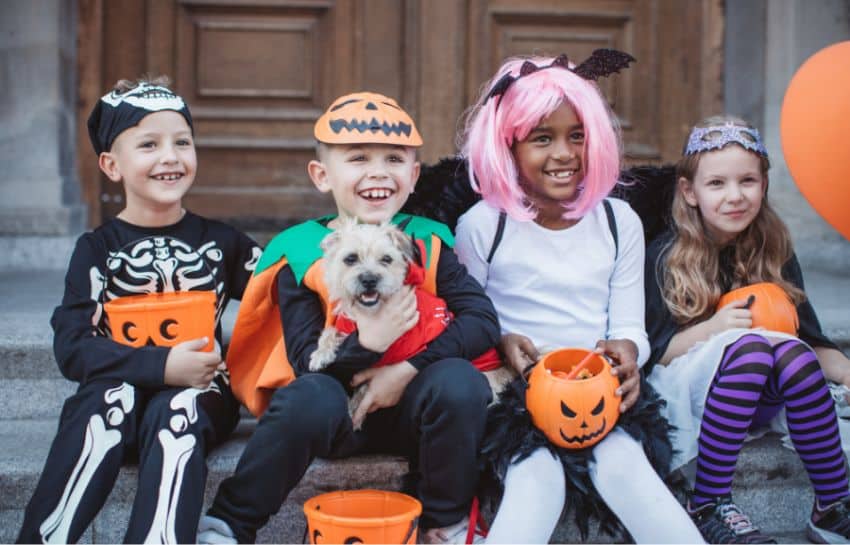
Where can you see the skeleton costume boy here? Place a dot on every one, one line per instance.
(123, 410)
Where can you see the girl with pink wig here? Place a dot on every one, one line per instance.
(563, 265)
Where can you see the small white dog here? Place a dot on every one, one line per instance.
(364, 265)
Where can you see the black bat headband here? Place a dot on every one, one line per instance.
(601, 63)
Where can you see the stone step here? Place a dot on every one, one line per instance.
(771, 485)
(31, 385)
(42, 252)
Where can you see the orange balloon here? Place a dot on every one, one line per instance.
(814, 126)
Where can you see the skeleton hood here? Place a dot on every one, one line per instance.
(116, 112)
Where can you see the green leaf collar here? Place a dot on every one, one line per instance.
(300, 243)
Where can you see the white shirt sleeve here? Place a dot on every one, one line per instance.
(474, 238)
(626, 303)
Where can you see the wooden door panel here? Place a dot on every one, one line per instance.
(253, 75)
(257, 74)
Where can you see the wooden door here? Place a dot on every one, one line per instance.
(257, 73)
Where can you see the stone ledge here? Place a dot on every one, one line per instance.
(33, 252)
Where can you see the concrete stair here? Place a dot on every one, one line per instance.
(771, 484)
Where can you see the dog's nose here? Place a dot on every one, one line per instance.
(368, 280)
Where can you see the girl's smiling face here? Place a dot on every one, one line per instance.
(550, 163)
(728, 188)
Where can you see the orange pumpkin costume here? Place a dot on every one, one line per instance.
(257, 358)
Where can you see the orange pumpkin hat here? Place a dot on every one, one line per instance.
(366, 118)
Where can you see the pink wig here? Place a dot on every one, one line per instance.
(491, 132)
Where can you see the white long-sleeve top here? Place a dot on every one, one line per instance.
(561, 288)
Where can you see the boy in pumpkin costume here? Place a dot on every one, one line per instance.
(430, 408)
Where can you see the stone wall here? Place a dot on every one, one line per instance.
(39, 191)
(795, 30)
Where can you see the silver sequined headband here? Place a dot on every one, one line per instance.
(718, 136)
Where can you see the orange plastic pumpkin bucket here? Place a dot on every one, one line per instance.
(573, 413)
(163, 319)
(362, 516)
(771, 307)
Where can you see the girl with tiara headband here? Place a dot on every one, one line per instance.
(564, 267)
(720, 377)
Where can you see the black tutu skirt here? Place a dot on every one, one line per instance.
(511, 436)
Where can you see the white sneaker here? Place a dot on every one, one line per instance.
(214, 531)
(456, 533)
(841, 395)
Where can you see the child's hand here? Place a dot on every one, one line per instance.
(187, 365)
(518, 350)
(377, 331)
(623, 352)
(734, 315)
(386, 385)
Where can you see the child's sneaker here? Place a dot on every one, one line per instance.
(456, 533)
(832, 525)
(724, 522)
(841, 395)
(214, 531)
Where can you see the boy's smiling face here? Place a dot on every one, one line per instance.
(369, 182)
(156, 162)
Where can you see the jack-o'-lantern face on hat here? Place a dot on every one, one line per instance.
(366, 118)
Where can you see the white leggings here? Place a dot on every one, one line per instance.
(535, 490)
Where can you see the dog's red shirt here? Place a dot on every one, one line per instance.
(434, 316)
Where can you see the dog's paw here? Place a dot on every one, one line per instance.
(325, 351)
(498, 379)
(320, 359)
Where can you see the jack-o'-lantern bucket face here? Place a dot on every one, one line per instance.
(771, 307)
(573, 413)
(163, 319)
(366, 118)
(362, 516)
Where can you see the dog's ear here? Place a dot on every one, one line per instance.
(330, 241)
(404, 243)
(415, 253)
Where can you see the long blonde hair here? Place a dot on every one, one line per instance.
(692, 283)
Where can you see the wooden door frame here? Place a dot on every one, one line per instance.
(89, 90)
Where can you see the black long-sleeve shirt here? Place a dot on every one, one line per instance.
(120, 259)
(473, 331)
(661, 327)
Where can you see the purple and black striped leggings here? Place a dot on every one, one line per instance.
(754, 381)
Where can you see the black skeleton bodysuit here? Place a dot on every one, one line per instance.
(123, 411)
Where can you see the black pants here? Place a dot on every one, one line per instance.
(107, 423)
(438, 425)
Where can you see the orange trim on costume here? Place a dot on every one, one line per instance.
(256, 358)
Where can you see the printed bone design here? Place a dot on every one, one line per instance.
(98, 442)
(176, 452)
(161, 265)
